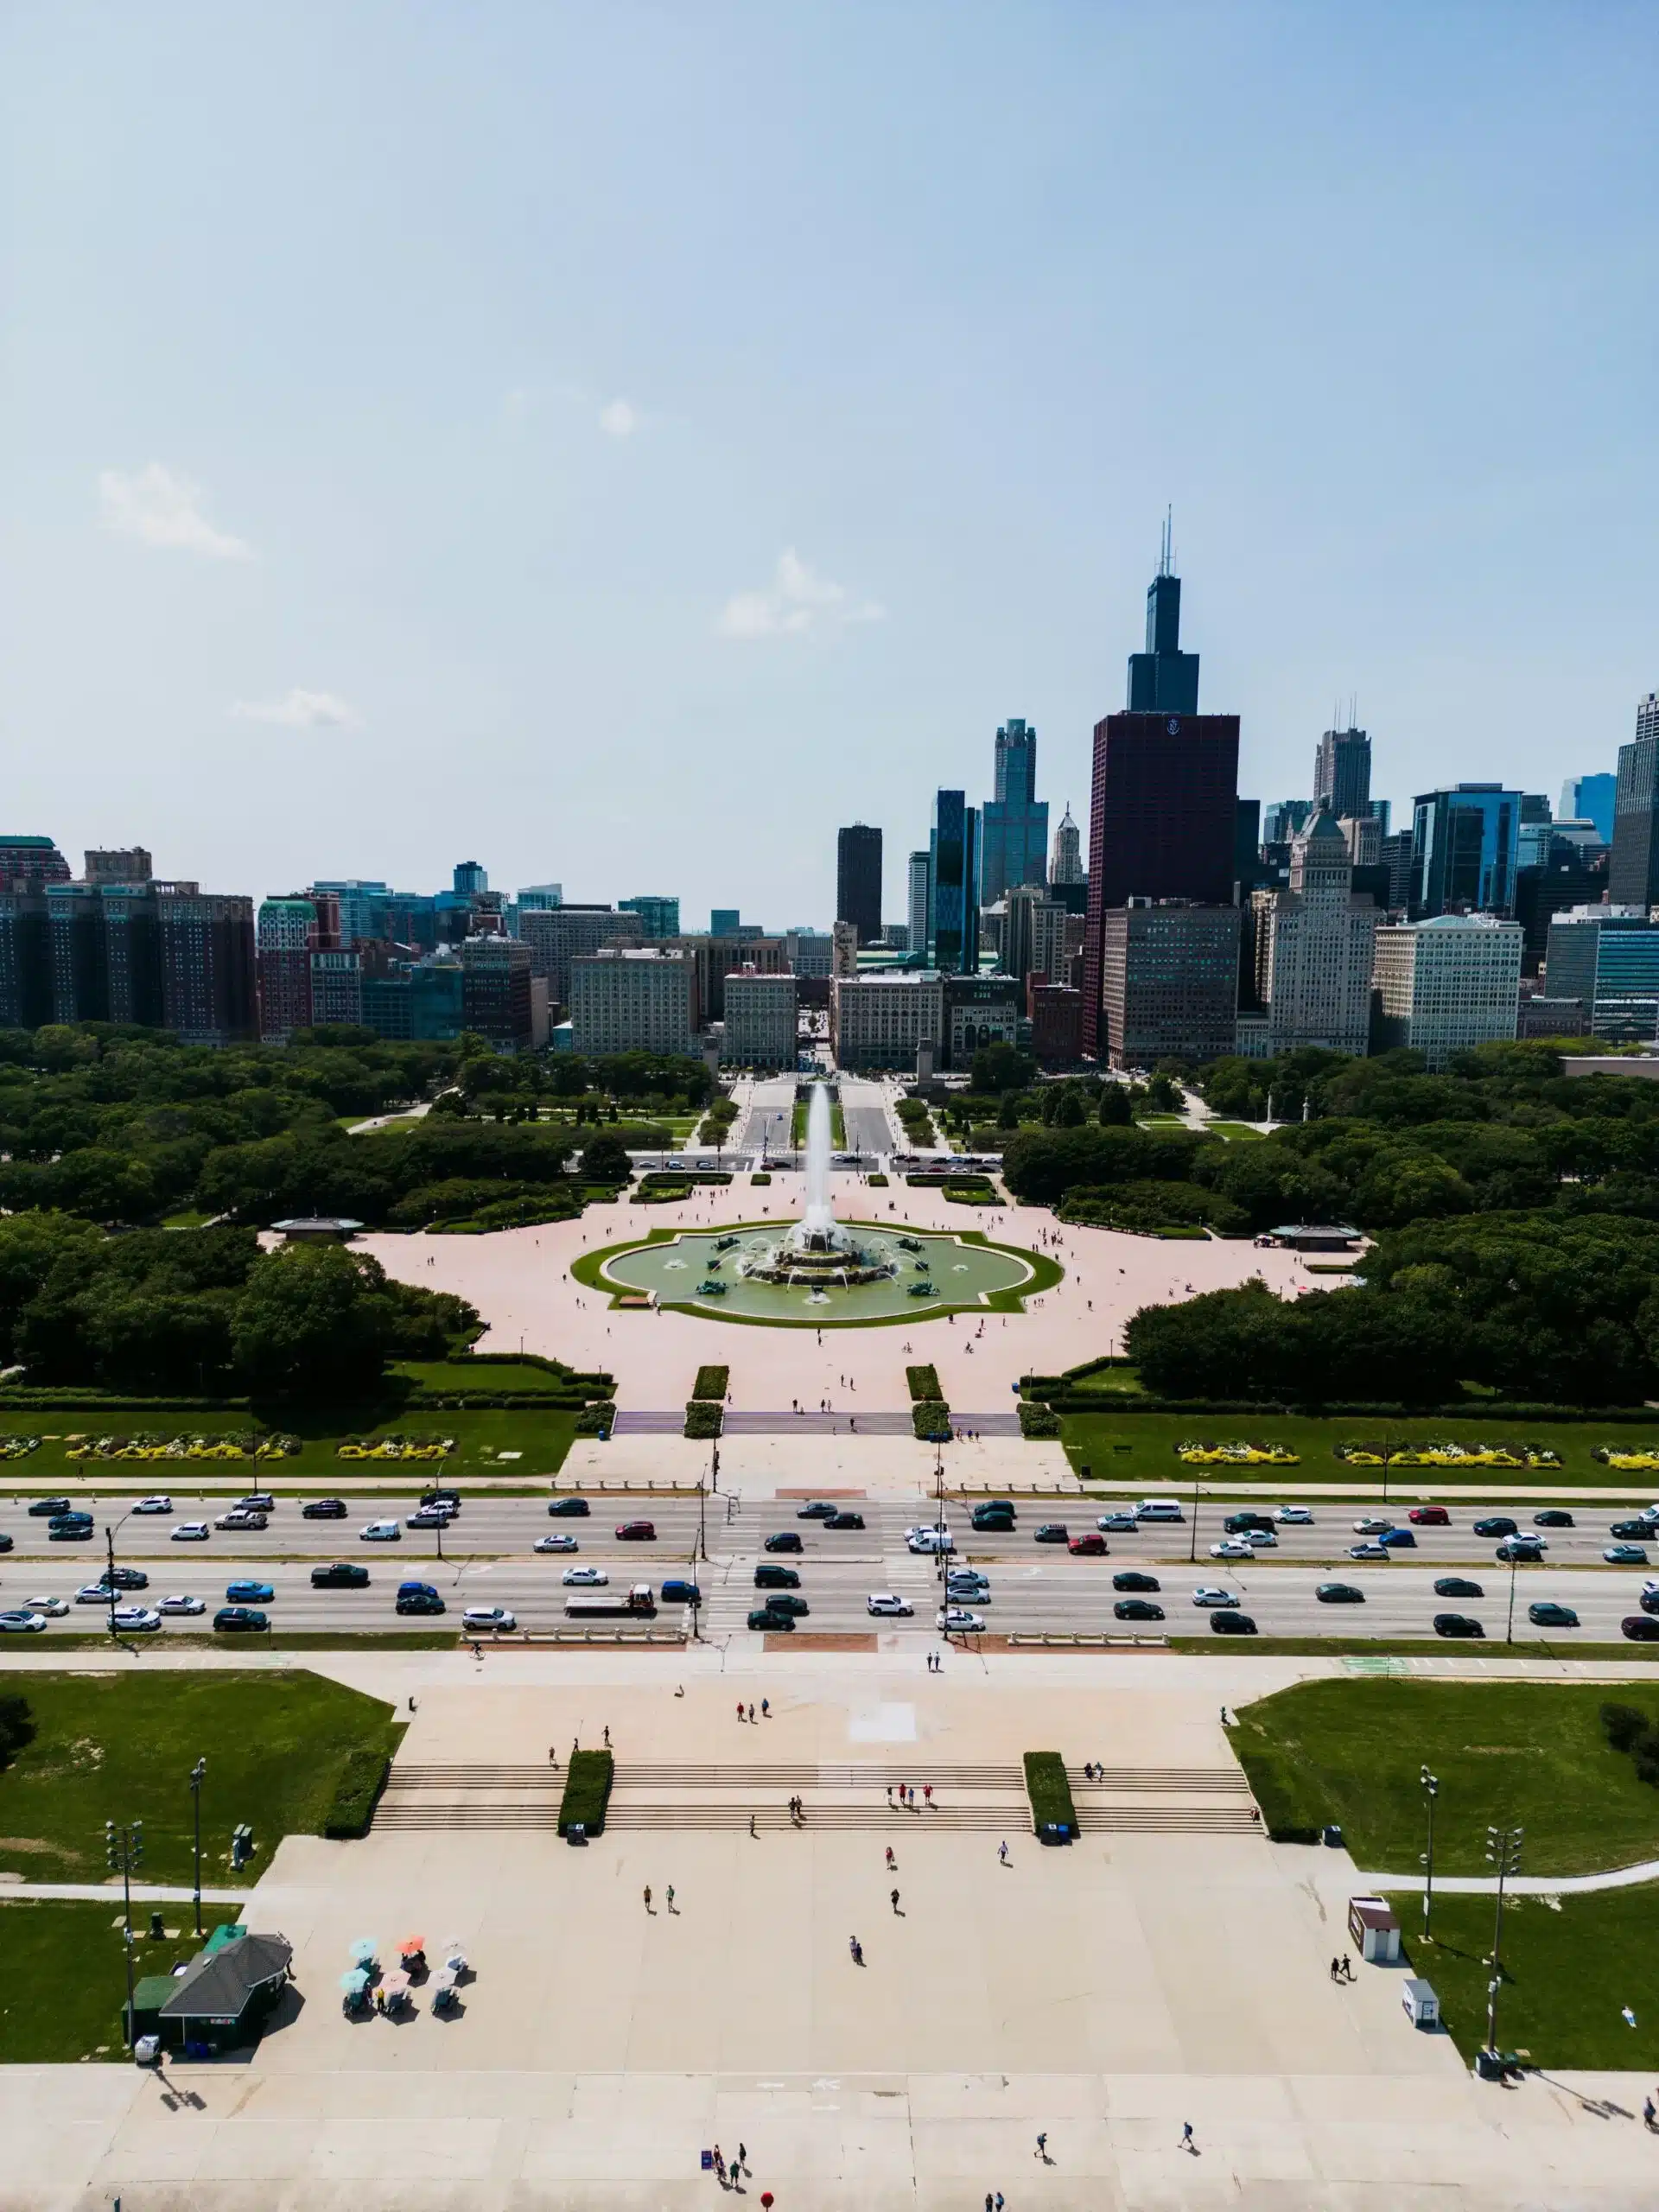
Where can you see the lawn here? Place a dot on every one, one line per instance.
(76, 1953)
(1505, 1752)
(1235, 1132)
(1567, 1971)
(121, 1747)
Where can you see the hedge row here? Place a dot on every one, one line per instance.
(931, 1418)
(598, 1420)
(1037, 1423)
(1483, 1412)
(586, 1791)
(357, 1793)
(1049, 1791)
(711, 1382)
(703, 1419)
(924, 1381)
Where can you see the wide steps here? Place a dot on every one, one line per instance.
(430, 1815)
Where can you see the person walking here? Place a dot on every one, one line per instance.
(671, 1896)
(552, 1759)
(647, 1897)
(857, 1950)
(1333, 1970)
(719, 2167)
(1188, 2144)
(927, 1794)
(891, 1861)
(741, 2162)
(895, 1901)
(765, 1708)
(607, 1738)
(752, 1829)
(1347, 1967)
(999, 2201)
(1002, 1852)
(1042, 2146)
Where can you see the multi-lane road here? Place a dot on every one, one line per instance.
(486, 1558)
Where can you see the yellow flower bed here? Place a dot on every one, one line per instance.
(1450, 1455)
(1236, 1454)
(18, 1447)
(392, 1447)
(1642, 1461)
(147, 1448)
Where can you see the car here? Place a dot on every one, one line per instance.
(677, 1591)
(555, 1543)
(1115, 1524)
(54, 1608)
(341, 1575)
(1340, 1594)
(957, 1617)
(1457, 1624)
(490, 1617)
(1521, 1548)
(419, 1601)
(770, 1620)
(1132, 1579)
(93, 1593)
(1547, 1614)
(324, 1509)
(1639, 1628)
(1458, 1585)
(931, 1539)
(1641, 1531)
(1553, 1516)
(1208, 1594)
(136, 1620)
(257, 1501)
(845, 1521)
(785, 1540)
(1399, 1540)
(449, 1497)
(429, 1516)
(48, 1509)
(1232, 1625)
(190, 1607)
(1430, 1516)
(885, 1604)
(1625, 1555)
(1496, 1524)
(1087, 1547)
(568, 1509)
(380, 1532)
(70, 1528)
(18, 1620)
(238, 1620)
(242, 1516)
(243, 1592)
(817, 1511)
(965, 1586)
(1232, 1548)
(1137, 1609)
(1293, 1517)
(1159, 1509)
(991, 1524)
(416, 1590)
(5, 1542)
(1371, 1524)
(644, 1532)
(190, 1532)
(785, 1601)
(1648, 1600)
(157, 1502)
(1262, 1540)
(124, 1578)
(1052, 1532)
(1369, 1549)
(584, 1577)
(768, 1575)
(1240, 1524)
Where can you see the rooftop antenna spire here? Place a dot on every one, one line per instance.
(1166, 556)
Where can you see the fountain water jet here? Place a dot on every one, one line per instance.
(817, 1231)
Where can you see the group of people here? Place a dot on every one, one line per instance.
(1342, 1969)
(907, 1797)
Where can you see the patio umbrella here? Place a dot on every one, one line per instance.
(408, 1943)
(446, 1979)
(353, 1982)
(363, 1950)
(394, 1986)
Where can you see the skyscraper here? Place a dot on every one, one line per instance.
(659, 916)
(953, 878)
(919, 888)
(1315, 945)
(1633, 877)
(1591, 798)
(1163, 804)
(1068, 851)
(470, 878)
(1342, 772)
(1465, 844)
(858, 880)
(1014, 825)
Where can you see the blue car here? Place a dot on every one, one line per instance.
(248, 1593)
(1399, 1539)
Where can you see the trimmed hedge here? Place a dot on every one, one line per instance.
(1038, 1422)
(597, 1421)
(703, 1419)
(924, 1381)
(1049, 1791)
(931, 1418)
(586, 1791)
(711, 1381)
(761, 1176)
(357, 1793)
(877, 1182)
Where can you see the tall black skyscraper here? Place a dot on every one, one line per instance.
(1633, 871)
(1014, 825)
(858, 880)
(1342, 773)
(1164, 680)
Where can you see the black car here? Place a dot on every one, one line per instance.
(768, 1577)
(1649, 1601)
(124, 1578)
(845, 1521)
(1232, 1625)
(784, 1602)
(1239, 1524)
(764, 1620)
(787, 1541)
(819, 1511)
(5, 1542)
(324, 1509)
(990, 1523)
(1497, 1524)
(1132, 1579)
(1137, 1609)
(449, 1497)
(1457, 1624)
(48, 1509)
(234, 1620)
(344, 1574)
(567, 1508)
(1458, 1585)
(1639, 1628)
(1340, 1593)
(70, 1528)
(1054, 1532)
(421, 1601)
(1522, 1547)
(1547, 1614)
(1633, 1532)
(1553, 1516)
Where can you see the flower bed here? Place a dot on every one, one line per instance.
(147, 1445)
(396, 1447)
(1442, 1453)
(1237, 1453)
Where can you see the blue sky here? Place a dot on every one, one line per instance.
(618, 444)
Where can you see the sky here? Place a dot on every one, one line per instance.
(618, 444)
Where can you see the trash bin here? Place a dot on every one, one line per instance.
(1333, 1836)
(147, 2051)
(157, 1927)
(1054, 1832)
(1488, 2066)
(577, 1832)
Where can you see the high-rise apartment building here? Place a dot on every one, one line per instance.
(502, 999)
(25, 954)
(920, 900)
(1607, 958)
(153, 954)
(725, 921)
(1013, 825)
(1315, 947)
(1633, 877)
(953, 879)
(1464, 851)
(1447, 983)
(31, 860)
(858, 880)
(1342, 772)
(810, 953)
(470, 880)
(658, 917)
(1283, 818)
(128, 864)
(1163, 802)
(628, 999)
(1169, 983)
(285, 934)
(336, 988)
(1031, 934)
(566, 933)
(1067, 866)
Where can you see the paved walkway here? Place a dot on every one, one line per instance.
(1530, 1885)
(143, 1892)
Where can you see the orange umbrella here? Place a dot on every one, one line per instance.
(408, 1943)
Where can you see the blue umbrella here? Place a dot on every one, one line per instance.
(363, 1950)
(353, 1983)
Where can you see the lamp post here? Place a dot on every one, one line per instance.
(198, 1775)
(124, 1850)
(109, 1545)
(1431, 1783)
(1192, 1552)
(1515, 1562)
(1504, 1852)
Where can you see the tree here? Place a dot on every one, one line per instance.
(1000, 1067)
(1117, 1111)
(605, 1159)
(310, 1323)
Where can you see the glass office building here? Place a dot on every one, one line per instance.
(1464, 851)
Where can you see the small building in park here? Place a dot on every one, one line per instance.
(221, 2000)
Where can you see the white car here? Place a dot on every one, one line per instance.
(158, 1502)
(884, 1602)
(556, 1544)
(1232, 1548)
(957, 1616)
(54, 1608)
(93, 1593)
(967, 1585)
(21, 1623)
(582, 1578)
(1207, 1594)
(380, 1532)
(930, 1539)
(1372, 1524)
(183, 1604)
(139, 1619)
(190, 1532)
(1293, 1517)
(487, 1616)
(242, 1516)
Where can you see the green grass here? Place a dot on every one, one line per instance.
(1384, 1648)
(1566, 1973)
(187, 1220)
(1235, 1132)
(712, 1381)
(1505, 1752)
(73, 1951)
(586, 1791)
(121, 1748)
(1049, 1790)
(837, 1128)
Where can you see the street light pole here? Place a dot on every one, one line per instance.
(1508, 1634)
(1194, 1552)
(198, 1775)
(124, 1849)
(1430, 1790)
(1503, 1851)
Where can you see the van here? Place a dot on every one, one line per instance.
(1159, 1509)
(769, 1576)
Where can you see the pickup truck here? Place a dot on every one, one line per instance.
(606, 1604)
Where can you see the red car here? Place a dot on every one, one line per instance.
(1430, 1516)
(1093, 1546)
(637, 1532)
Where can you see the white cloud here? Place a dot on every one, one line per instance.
(155, 506)
(796, 602)
(298, 709)
(619, 418)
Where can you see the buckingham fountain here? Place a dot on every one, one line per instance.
(817, 1251)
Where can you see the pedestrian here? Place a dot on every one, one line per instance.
(607, 1736)
(895, 1901)
(765, 1708)
(891, 1861)
(1188, 2144)
(1333, 1970)
(719, 2167)
(1648, 2114)
(1042, 2147)
(647, 1897)
(552, 1759)
(671, 1896)
(751, 1826)
(988, 2200)
(1002, 1852)
(1347, 1967)
(927, 1794)
(576, 1745)
(751, 1716)
(889, 1796)
(999, 2201)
